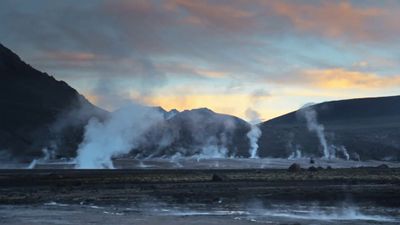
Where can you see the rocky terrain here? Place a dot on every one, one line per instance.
(301, 194)
(379, 185)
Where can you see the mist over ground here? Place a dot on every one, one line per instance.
(197, 112)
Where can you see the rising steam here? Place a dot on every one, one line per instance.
(255, 133)
(115, 136)
(313, 126)
(47, 155)
(330, 151)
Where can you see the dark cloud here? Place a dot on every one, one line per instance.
(145, 40)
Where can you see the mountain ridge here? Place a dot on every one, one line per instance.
(38, 111)
(366, 127)
(32, 102)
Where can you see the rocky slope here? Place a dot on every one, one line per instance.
(37, 111)
(366, 127)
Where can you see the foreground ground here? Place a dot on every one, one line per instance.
(156, 196)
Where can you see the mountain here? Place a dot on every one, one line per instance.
(37, 111)
(369, 128)
(198, 132)
(167, 114)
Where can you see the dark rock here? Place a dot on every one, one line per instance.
(312, 161)
(218, 178)
(294, 168)
(328, 167)
(383, 166)
(312, 169)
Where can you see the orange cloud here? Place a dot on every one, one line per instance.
(72, 56)
(332, 19)
(233, 104)
(328, 18)
(211, 73)
(205, 13)
(339, 78)
(219, 103)
(91, 98)
(188, 69)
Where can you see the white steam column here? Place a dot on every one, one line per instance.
(253, 135)
(313, 126)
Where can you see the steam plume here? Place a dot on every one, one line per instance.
(47, 155)
(313, 126)
(254, 133)
(116, 136)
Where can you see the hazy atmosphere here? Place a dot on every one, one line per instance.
(233, 56)
(200, 112)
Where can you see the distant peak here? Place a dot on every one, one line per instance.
(159, 109)
(202, 110)
(8, 58)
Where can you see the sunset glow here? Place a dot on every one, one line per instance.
(229, 56)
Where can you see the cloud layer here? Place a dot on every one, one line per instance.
(270, 53)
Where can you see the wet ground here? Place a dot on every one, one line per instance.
(193, 163)
(151, 212)
(161, 191)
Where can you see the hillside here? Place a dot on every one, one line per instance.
(38, 111)
(368, 127)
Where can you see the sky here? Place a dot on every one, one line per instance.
(240, 57)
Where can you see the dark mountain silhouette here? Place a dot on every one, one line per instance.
(37, 111)
(368, 127)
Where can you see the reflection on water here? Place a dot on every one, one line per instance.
(240, 213)
(305, 212)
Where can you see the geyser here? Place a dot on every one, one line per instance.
(253, 135)
(313, 126)
(330, 151)
(117, 135)
(47, 155)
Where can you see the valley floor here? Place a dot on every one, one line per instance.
(365, 195)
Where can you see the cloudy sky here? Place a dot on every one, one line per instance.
(232, 56)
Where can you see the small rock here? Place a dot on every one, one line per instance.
(383, 166)
(312, 169)
(312, 160)
(294, 168)
(218, 177)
